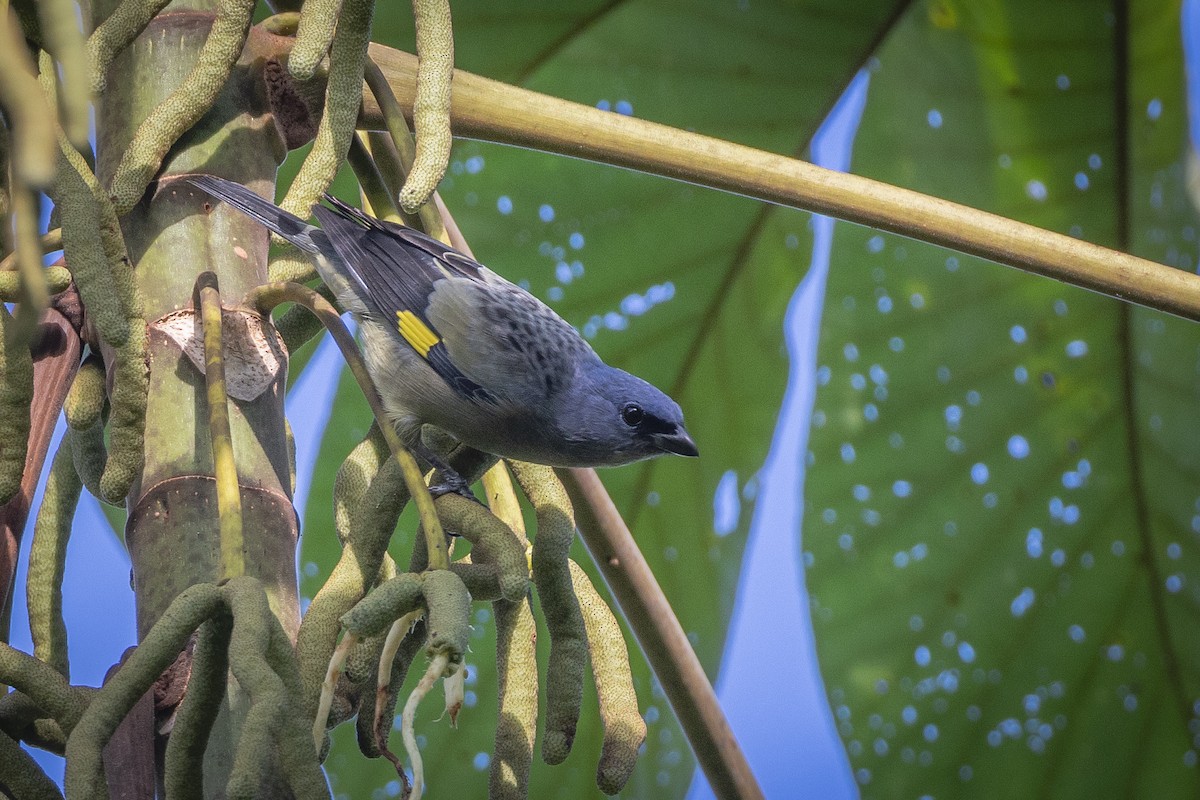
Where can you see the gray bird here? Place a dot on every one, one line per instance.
(452, 344)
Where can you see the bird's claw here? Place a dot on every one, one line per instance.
(451, 483)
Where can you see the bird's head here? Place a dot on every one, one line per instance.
(621, 418)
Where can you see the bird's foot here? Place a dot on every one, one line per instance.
(447, 481)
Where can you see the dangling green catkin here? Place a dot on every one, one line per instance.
(57, 279)
(184, 761)
(431, 111)
(16, 398)
(560, 607)
(449, 617)
(83, 250)
(318, 21)
(516, 727)
(127, 420)
(343, 97)
(296, 326)
(92, 245)
(34, 295)
(190, 101)
(624, 728)
(372, 521)
(89, 455)
(85, 747)
(94, 251)
(85, 398)
(47, 561)
(22, 776)
(353, 479)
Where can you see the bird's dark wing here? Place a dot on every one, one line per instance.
(444, 258)
(399, 268)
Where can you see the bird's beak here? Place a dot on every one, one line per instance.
(678, 443)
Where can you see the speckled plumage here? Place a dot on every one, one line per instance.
(452, 344)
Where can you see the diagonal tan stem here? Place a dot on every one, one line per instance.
(496, 112)
(662, 638)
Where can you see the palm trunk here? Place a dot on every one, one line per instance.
(172, 531)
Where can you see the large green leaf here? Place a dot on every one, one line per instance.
(717, 271)
(1001, 526)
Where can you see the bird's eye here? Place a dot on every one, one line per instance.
(632, 414)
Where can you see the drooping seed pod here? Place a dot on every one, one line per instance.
(16, 397)
(560, 607)
(85, 399)
(318, 21)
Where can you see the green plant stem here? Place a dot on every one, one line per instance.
(496, 112)
(397, 162)
(268, 296)
(229, 498)
(660, 635)
(28, 114)
(374, 189)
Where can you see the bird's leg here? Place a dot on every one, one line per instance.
(446, 480)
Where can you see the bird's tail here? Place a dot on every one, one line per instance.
(289, 226)
(307, 237)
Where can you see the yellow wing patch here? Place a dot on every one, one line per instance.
(416, 332)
